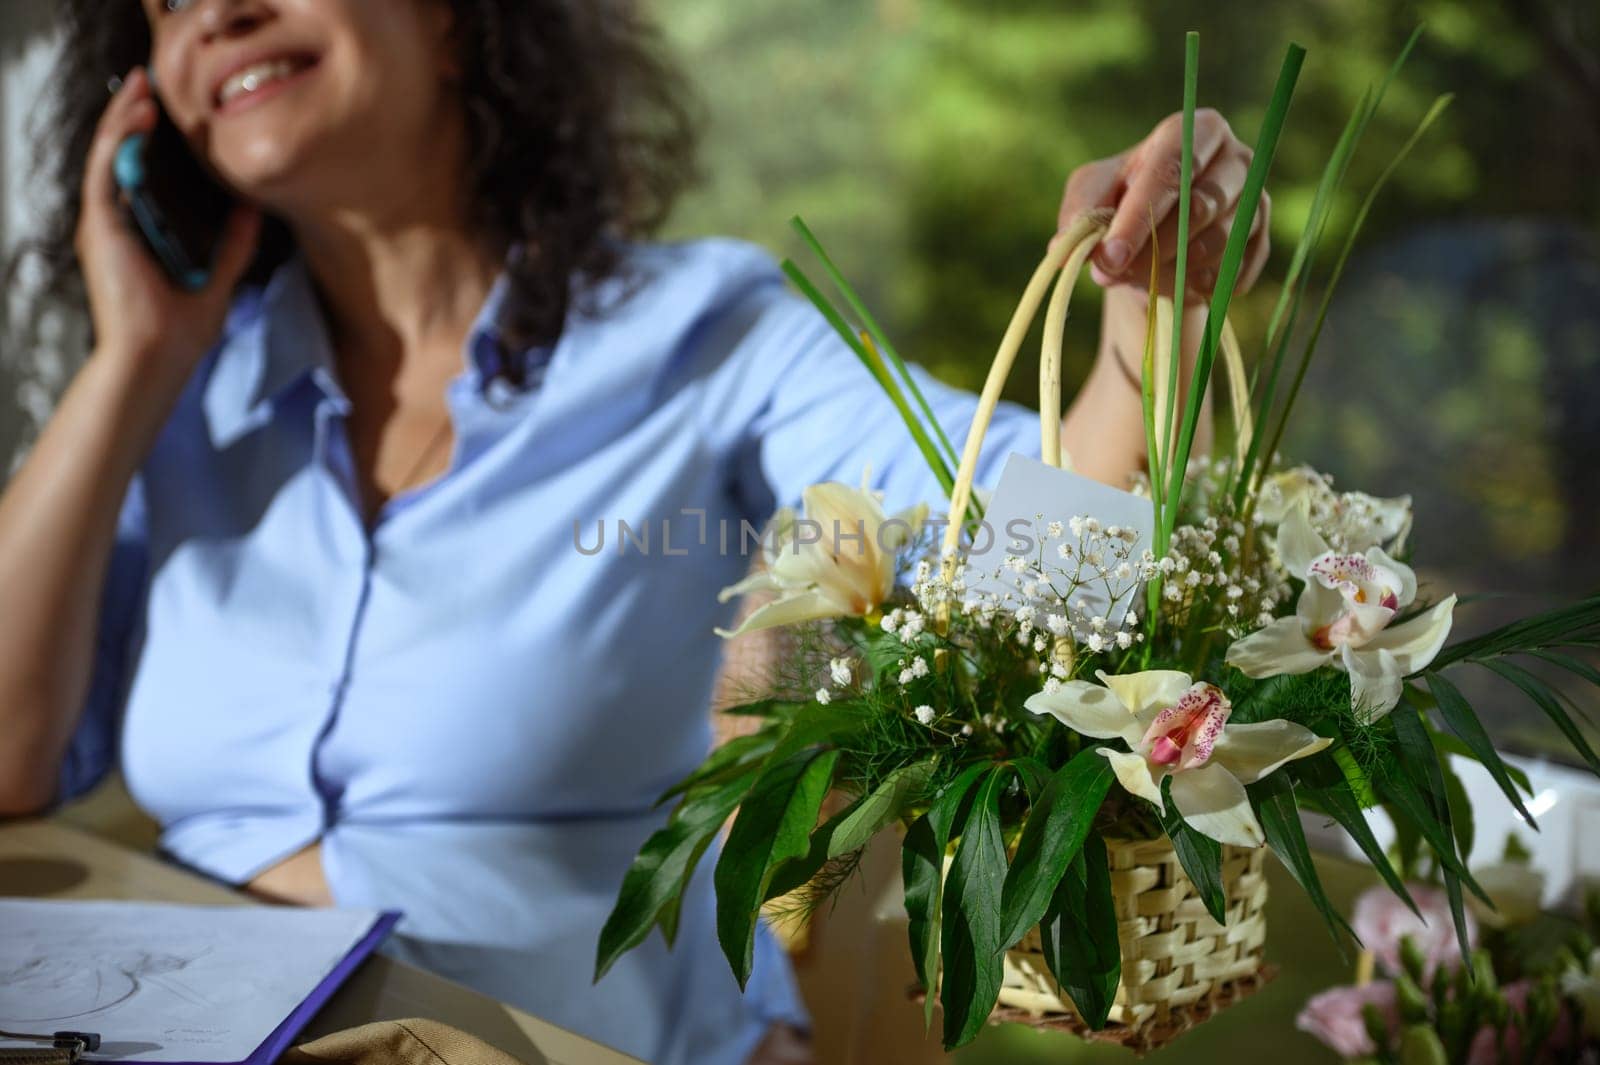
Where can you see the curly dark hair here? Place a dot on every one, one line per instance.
(580, 130)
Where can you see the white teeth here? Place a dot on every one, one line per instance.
(254, 77)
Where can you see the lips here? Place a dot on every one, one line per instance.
(257, 76)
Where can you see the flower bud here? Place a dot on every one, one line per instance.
(1420, 1045)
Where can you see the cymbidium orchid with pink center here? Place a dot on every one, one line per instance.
(838, 562)
(1177, 728)
(1343, 619)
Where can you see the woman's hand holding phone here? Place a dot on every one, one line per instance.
(139, 313)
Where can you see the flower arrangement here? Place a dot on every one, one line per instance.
(1531, 992)
(1089, 744)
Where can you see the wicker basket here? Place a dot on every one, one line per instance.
(1178, 965)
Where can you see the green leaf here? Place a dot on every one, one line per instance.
(1079, 933)
(1199, 854)
(1461, 819)
(1564, 626)
(1330, 790)
(922, 867)
(1035, 775)
(730, 760)
(1572, 665)
(657, 876)
(1274, 801)
(1056, 827)
(774, 826)
(1541, 695)
(970, 945)
(1420, 768)
(1457, 713)
(1445, 743)
(879, 808)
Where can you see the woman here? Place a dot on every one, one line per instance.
(299, 549)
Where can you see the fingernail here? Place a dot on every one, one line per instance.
(1115, 254)
(1202, 208)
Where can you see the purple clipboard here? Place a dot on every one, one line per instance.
(283, 1035)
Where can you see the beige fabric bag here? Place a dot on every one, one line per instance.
(412, 1041)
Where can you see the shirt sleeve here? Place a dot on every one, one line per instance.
(94, 744)
(816, 414)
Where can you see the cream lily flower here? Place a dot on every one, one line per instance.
(1180, 729)
(837, 561)
(1342, 619)
(1355, 519)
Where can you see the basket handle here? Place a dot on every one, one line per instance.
(1066, 255)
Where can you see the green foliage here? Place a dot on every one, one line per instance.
(1057, 825)
(1200, 856)
(1273, 799)
(970, 943)
(657, 876)
(922, 867)
(1079, 934)
(773, 826)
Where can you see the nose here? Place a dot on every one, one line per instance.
(227, 18)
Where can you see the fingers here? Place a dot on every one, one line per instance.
(1153, 178)
(130, 111)
(1256, 252)
(1092, 185)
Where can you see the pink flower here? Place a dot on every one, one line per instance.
(1381, 920)
(1485, 1046)
(1334, 1017)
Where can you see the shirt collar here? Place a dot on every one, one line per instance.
(276, 337)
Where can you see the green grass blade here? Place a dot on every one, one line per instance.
(1339, 264)
(878, 336)
(1228, 271)
(1298, 276)
(875, 367)
(1191, 78)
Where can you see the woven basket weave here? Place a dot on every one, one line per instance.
(1178, 965)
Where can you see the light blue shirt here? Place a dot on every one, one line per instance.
(473, 709)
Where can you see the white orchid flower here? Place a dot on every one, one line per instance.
(838, 561)
(1180, 729)
(1355, 520)
(1342, 619)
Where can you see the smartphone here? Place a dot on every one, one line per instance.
(176, 204)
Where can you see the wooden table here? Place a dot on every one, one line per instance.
(48, 859)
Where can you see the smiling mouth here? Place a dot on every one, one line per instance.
(253, 80)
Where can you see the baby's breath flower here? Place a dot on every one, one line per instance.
(823, 697)
(1054, 530)
(1124, 639)
(839, 669)
(923, 714)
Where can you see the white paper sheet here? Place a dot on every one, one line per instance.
(162, 982)
(1030, 496)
